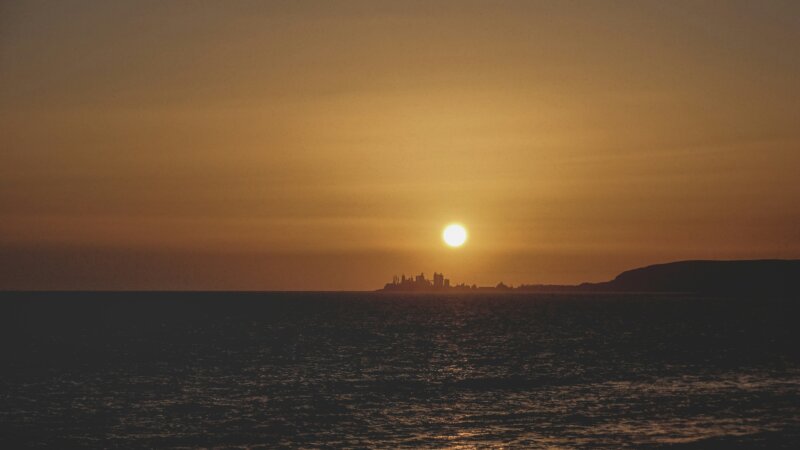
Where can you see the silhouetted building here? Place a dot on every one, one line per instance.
(438, 280)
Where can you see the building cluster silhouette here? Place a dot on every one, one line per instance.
(418, 283)
(439, 283)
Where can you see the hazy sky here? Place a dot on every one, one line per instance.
(324, 145)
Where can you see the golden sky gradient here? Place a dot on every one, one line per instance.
(324, 145)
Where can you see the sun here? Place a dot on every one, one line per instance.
(454, 235)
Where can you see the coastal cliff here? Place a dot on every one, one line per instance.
(702, 276)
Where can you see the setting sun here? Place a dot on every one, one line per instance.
(454, 235)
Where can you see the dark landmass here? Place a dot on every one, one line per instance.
(729, 277)
(745, 277)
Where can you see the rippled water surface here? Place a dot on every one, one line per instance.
(370, 370)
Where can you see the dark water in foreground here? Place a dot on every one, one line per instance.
(369, 370)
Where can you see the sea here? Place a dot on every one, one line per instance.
(378, 370)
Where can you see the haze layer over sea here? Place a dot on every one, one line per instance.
(394, 370)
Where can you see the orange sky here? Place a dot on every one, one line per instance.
(324, 145)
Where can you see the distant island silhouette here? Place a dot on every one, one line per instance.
(769, 276)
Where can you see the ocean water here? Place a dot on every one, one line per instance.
(266, 370)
